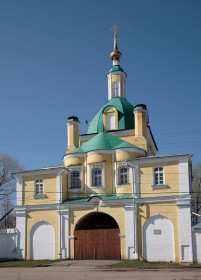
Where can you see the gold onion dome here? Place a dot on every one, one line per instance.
(115, 54)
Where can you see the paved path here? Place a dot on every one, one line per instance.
(95, 270)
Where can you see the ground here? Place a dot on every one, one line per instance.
(90, 270)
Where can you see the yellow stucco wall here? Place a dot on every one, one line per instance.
(117, 212)
(123, 156)
(50, 189)
(171, 175)
(74, 160)
(168, 210)
(49, 216)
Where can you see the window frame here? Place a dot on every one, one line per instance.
(75, 181)
(97, 177)
(124, 182)
(117, 166)
(93, 166)
(72, 169)
(39, 185)
(159, 183)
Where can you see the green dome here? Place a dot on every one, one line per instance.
(125, 115)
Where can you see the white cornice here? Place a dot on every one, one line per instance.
(157, 159)
(46, 170)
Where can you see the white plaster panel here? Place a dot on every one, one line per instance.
(158, 239)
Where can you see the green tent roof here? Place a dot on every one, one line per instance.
(103, 141)
(116, 68)
(125, 115)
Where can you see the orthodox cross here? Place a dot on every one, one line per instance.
(115, 29)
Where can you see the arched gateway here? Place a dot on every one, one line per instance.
(97, 237)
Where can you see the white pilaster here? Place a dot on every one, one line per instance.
(20, 213)
(184, 175)
(131, 233)
(64, 231)
(185, 234)
(59, 186)
(19, 189)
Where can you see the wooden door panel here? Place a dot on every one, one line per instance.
(97, 244)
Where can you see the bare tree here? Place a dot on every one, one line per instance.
(8, 165)
(196, 191)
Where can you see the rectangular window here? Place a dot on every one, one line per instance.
(97, 177)
(75, 180)
(158, 176)
(39, 187)
(123, 175)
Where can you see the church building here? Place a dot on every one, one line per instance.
(113, 197)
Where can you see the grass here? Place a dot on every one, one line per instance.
(123, 264)
(153, 265)
(21, 263)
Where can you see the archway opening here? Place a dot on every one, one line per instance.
(97, 237)
(97, 220)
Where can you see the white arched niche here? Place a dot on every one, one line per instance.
(42, 241)
(158, 239)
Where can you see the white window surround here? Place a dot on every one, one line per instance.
(39, 188)
(117, 167)
(93, 166)
(158, 178)
(71, 169)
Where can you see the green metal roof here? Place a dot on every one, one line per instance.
(103, 141)
(116, 68)
(125, 115)
(102, 197)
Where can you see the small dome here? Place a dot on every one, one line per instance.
(125, 116)
(115, 55)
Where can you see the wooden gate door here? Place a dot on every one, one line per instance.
(97, 244)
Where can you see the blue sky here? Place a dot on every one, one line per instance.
(54, 57)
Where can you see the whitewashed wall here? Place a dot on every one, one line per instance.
(196, 236)
(7, 244)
